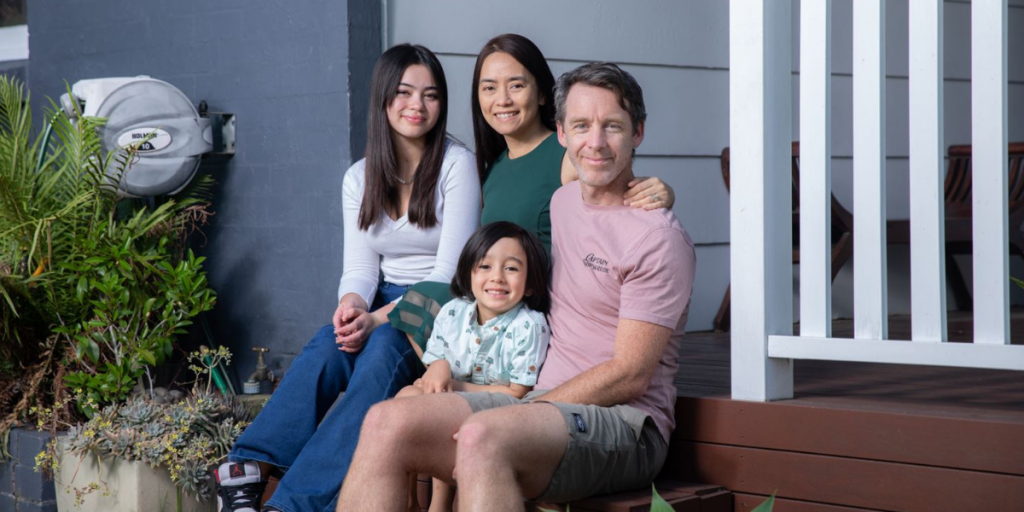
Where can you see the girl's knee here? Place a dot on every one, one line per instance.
(321, 350)
(326, 331)
(323, 340)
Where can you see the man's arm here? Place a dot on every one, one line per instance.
(638, 348)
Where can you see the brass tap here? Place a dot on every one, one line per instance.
(262, 373)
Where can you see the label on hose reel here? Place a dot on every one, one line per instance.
(155, 139)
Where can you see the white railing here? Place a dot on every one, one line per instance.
(763, 346)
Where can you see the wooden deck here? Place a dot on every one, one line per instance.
(857, 436)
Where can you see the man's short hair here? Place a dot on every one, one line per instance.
(606, 76)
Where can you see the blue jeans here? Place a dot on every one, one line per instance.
(294, 431)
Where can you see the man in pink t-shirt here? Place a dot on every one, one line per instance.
(601, 417)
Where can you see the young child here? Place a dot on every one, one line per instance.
(493, 335)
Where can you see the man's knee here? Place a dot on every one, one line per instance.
(386, 423)
(408, 391)
(483, 437)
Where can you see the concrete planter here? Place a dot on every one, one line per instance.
(124, 487)
(21, 488)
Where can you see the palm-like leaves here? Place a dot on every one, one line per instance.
(43, 202)
(58, 191)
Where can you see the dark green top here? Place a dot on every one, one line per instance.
(519, 189)
(516, 190)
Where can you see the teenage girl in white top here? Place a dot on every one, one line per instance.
(409, 208)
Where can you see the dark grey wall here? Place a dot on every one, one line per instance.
(364, 43)
(274, 247)
(16, 69)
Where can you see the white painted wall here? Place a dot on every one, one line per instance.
(679, 52)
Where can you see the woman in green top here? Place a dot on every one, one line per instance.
(519, 159)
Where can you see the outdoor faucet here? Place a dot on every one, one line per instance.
(262, 373)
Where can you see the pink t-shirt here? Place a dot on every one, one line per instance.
(612, 263)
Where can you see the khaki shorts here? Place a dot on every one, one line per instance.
(610, 449)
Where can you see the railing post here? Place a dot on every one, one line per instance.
(816, 168)
(927, 219)
(989, 139)
(761, 195)
(870, 288)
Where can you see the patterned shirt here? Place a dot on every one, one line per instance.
(507, 349)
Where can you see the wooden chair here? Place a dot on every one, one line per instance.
(842, 232)
(959, 233)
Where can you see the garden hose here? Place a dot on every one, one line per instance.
(46, 141)
(219, 371)
(218, 379)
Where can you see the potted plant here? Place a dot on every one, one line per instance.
(145, 455)
(93, 289)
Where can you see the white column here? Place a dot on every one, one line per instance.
(816, 168)
(870, 289)
(989, 156)
(761, 195)
(927, 172)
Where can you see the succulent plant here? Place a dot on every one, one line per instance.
(137, 411)
(188, 437)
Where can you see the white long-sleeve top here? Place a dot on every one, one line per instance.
(403, 252)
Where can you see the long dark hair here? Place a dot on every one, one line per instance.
(381, 163)
(538, 268)
(489, 143)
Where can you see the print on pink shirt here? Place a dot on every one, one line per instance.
(594, 263)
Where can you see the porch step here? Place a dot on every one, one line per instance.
(832, 454)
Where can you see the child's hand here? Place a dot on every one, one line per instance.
(438, 378)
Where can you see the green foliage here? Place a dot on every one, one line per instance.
(767, 505)
(100, 285)
(658, 504)
(138, 302)
(1017, 282)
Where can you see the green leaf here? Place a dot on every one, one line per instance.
(658, 504)
(766, 506)
(147, 356)
(83, 285)
(93, 351)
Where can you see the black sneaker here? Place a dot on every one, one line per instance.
(239, 487)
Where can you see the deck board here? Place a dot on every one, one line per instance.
(704, 372)
(851, 482)
(745, 502)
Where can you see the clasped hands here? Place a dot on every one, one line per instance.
(353, 324)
